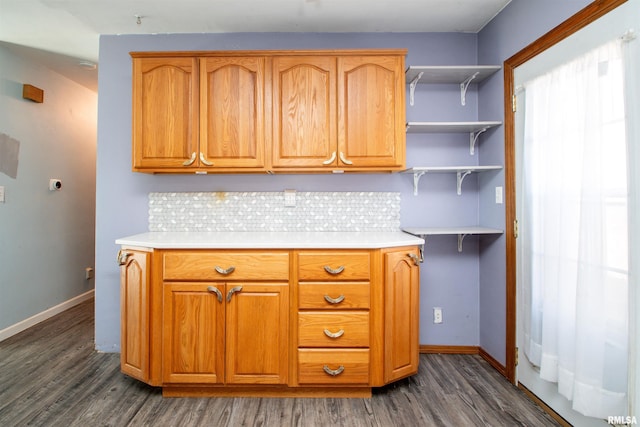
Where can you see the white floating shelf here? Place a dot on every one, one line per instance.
(443, 74)
(461, 232)
(474, 129)
(461, 173)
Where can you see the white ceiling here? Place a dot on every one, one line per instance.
(62, 33)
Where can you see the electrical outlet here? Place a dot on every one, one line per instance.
(1, 193)
(88, 273)
(290, 198)
(437, 315)
(499, 195)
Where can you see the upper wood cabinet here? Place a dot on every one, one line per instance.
(268, 111)
(232, 121)
(165, 112)
(341, 112)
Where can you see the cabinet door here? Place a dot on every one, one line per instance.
(371, 122)
(304, 112)
(165, 112)
(134, 313)
(193, 328)
(232, 112)
(257, 333)
(401, 302)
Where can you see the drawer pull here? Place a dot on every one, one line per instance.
(333, 372)
(225, 272)
(334, 300)
(332, 271)
(216, 291)
(122, 257)
(233, 291)
(334, 334)
(191, 160)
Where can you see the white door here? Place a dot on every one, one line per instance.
(610, 26)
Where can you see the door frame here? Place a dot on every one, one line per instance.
(581, 19)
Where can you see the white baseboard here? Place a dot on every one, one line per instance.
(34, 320)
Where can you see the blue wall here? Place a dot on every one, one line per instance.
(519, 24)
(449, 280)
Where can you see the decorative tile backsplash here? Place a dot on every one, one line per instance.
(266, 211)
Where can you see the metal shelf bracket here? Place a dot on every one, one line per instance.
(460, 240)
(464, 86)
(460, 176)
(416, 180)
(473, 138)
(412, 87)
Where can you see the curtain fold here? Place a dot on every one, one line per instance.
(574, 230)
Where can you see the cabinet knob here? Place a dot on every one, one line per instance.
(415, 258)
(333, 372)
(334, 300)
(122, 257)
(216, 291)
(331, 159)
(191, 160)
(233, 291)
(344, 160)
(334, 335)
(204, 161)
(334, 271)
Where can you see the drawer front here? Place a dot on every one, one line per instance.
(334, 265)
(333, 329)
(227, 266)
(333, 296)
(320, 366)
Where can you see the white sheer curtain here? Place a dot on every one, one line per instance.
(574, 228)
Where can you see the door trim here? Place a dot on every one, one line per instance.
(581, 19)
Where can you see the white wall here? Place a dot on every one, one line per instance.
(46, 238)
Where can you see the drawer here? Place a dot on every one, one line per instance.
(334, 265)
(333, 329)
(225, 265)
(335, 296)
(322, 366)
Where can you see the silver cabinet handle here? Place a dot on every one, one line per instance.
(233, 291)
(225, 272)
(191, 160)
(332, 271)
(216, 291)
(333, 372)
(344, 159)
(415, 259)
(331, 159)
(334, 335)
(330, 300)
(204, 160)
(122, 257)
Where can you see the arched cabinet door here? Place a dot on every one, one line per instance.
(402, 318)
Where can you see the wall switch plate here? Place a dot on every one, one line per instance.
(88, 273)
(437, 315)
(290, 198)
(1, 193)
(499, 195)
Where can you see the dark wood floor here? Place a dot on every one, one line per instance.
(50, 375)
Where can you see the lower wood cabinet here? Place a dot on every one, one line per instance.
(269, 322)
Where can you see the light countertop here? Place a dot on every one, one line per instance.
(270, 240)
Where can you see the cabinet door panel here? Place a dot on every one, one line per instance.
(193, 334)
(401, 303)
(304, 122)
(232, 111)
(371, 123)
(134, 309)
(165, 112)
(257, 333)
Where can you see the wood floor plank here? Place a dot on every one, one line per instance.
(50, 375)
